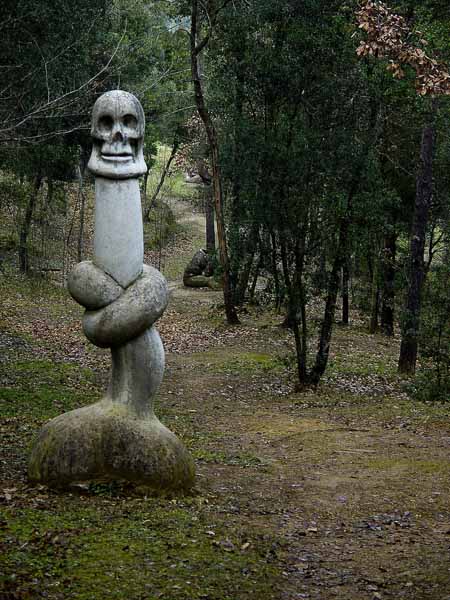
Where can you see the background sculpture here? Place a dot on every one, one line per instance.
(118, 438)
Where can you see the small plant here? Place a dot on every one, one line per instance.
(110, 489)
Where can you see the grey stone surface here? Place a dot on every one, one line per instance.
(119, 238)
(198, 273)
(118, 126)
(198, 264)
(91, 287)
(130, 315)
(104, 442)
(201, 281)
(137, 372)
(119, 437)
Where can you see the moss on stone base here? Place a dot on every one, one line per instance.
(107, 441)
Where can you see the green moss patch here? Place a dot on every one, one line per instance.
(147, 549)
(410, 465)
(43, 389)
(236, 362)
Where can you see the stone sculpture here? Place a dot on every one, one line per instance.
(199, 272)
(118, 438)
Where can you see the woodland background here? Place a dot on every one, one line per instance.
(306, 146)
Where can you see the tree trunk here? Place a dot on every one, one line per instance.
(374, 308)
(80, 173)
(388, 291)
(26, 226)
(144, 187)
(276, 278)
(250, 247)
(176, 144)
(230, 309)
(296, 307)
(345, 292)
(258, 268)
(210, 226)
(424, 189)
(374, 290)
(330, 307)
(342, 252)
(243, 279)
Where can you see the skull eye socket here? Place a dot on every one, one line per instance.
(130, 121)
(105, 124)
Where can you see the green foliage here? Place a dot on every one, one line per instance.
(433, 380)
(161, 228)
(300, 146)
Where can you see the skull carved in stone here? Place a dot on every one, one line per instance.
(118, 126)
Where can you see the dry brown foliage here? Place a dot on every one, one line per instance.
(388, 36)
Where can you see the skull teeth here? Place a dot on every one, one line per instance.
(119, 157)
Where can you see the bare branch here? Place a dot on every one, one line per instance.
(56, 102)
(212, 23)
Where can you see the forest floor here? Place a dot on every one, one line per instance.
(340, 493)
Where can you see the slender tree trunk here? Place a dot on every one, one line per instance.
(258, 268)
(296, 307)
(210, 225)
(330, 307)
(80, 248)
(424, 190)
(176, 144)
(243, 247)
(374, 308)
(244, 277)
(230, 309)
(345, 291)
(388, 291)
(342, 251)
(374, 290)
(44, 221)
(250, 248)
(292, 313)
(144, 187)
(26, 226)
(276, 278)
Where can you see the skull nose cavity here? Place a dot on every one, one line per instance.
(118, 136)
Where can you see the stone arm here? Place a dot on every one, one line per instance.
(115, 316)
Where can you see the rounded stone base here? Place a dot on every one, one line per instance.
(201, 281)
(107, 441)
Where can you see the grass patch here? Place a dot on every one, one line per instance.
(174, 263)
(43, 389)
(162, 226)
(362, 363)
(410, 465)
(238, 363)
(147, 549)
(174, 184)
(250, 362)
(186, 191)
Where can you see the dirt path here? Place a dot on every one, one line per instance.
(354, 485)
(339, 494)
(354, 488)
